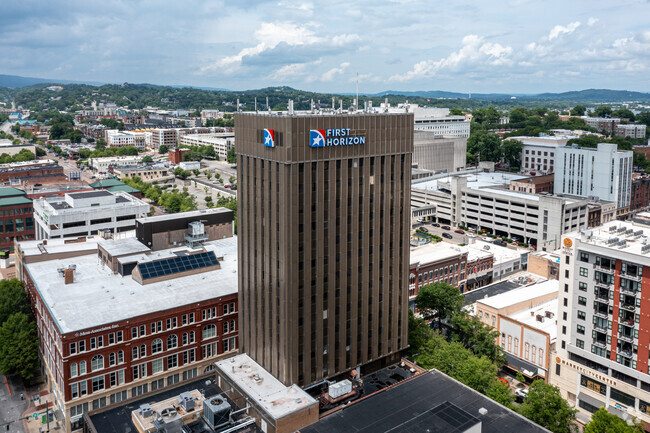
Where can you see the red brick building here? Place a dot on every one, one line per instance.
(16, 217)
(176, 155)
(640, 199)
(119, 321)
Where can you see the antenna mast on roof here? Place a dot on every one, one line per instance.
(356, 105)
(256, 104)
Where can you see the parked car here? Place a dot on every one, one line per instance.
(500, 243)
(447, 236)
(420, 220)
(486, 239)
(459, 231)
(471, 235)
(424, 229)
(435, 225)
(445, 228)
(521, 394)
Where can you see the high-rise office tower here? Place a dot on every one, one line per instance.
(324, 220)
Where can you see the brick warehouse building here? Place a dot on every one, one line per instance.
(122, 321)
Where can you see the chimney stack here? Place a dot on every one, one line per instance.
(68, 275)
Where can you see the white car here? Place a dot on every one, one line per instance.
(521, 392)
(486, 239)
(471, 235)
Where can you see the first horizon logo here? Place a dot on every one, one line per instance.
(334, 137)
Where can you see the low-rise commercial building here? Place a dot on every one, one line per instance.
(525, 319)
(101, 165)
(534, 185)
(30, 172)
(482, 201)
(545, 264)
(123, 322)
(222, 142)
(8, 147)
(147, 173)
(87, 214)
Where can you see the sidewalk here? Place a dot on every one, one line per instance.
(34, 416)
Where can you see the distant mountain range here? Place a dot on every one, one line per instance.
(591, 95)
(12, 86)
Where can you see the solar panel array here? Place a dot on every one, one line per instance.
(175, 265)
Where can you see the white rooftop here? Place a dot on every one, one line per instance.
(264, 389)
(521, 294)
(53, 246)
(474, 180)
(435, 252)
(500, 254)
(547, 324)
(635, 237)
(110, 297)
(119, 247)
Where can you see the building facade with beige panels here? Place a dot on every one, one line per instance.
(323, 240)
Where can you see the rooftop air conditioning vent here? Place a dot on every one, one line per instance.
(645, 248)
(612, 229)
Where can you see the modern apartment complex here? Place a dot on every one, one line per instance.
(602, 124)
(603, 325)
(604, 172)
(222, 142)
(538, 153)
(323, 240)
(632, 130)
(87, 213)
(482, 201)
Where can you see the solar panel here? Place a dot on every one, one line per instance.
(175, 265)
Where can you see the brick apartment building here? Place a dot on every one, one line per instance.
(16, 217)
(117, 321)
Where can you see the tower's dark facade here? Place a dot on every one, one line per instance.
(323, 240)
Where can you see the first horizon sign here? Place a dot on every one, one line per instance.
(335, 137)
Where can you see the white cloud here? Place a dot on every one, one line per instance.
(562, 30)
(592, 21)
(329, 75)
(475, 51)
(272, 35)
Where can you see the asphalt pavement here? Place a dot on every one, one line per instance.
(456, 238)
(11, 406)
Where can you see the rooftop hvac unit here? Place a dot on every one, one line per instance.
(216, 411)
(638, 233)
(645, 248)
(612, 229)
(629, 232)
(622, 244)
(145, 410)
(338, 389)
(186, 401)
(611, 241)
(168, 421)
(196, 228)
(622, 230)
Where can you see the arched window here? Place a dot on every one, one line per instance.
(97, 363)
(73, 369)
(82, 367)
(172, 341)
(156, 346)
(209, 331)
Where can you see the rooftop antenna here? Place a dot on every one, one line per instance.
(312, 106)
(256, 104)
(238, 105)
(340, 105)
(333, 104)
(356, 105)
(268, 108)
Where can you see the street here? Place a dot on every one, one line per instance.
(456, 237)
(11, 406)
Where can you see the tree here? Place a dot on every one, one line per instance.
(546, 407)
(604, 422)
(208, 175)
(603, 111)
(456, 112)
(13, 299)
(231, 180)
(518, 116)
(501, 393)
(100, 144)
(208, 198)
(231, 158)
(644, 118)
(623, 113)
(488, 144)
(419, 333)
(163, 149)
(196, 172)
(511, 150)
(179, 172)
(18, 346)
(439, 301)
(578, 110)
(147, 158)
(475, 335)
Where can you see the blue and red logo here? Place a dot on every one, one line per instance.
(317, 138)
(269, 138)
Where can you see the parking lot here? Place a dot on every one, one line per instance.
(456, 238)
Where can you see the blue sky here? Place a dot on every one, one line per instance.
(513, 46)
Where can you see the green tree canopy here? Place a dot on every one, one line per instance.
(512, 152)
(13, 299)
(623, 113)
(488, 144)
(439, 301)
(603, 111)
(18, 346)
(604, 422)
(163, 149)
(546, 407)
(480, 338)
(578, 110)
(147, 158)
(231, 158)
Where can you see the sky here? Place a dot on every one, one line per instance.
(507, 46)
